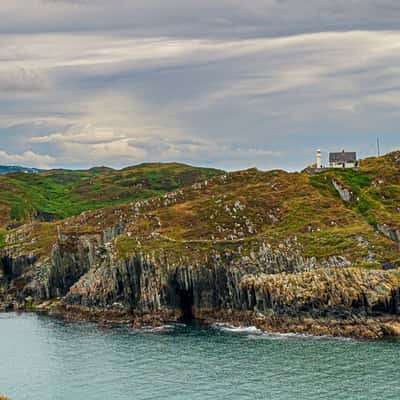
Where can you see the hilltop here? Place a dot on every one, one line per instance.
(373, 191)
(58, 194)
(237, 246)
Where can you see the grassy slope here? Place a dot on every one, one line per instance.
(2, 239)
(278, 207)
(375, 187)
(65, 193)
(290, 211)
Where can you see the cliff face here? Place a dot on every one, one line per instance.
(151, 280)
(15, 276)
(268, 282)
(334, 292)
(143, 285)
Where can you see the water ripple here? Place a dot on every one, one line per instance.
(48, 359)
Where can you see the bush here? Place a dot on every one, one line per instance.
(2, 242)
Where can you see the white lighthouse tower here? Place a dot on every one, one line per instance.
(319, 159)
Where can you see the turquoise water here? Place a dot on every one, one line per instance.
(47, 359)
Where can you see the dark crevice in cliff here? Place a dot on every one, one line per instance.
(6, 264)
(395, 302)
(186, 303)
(13, 268)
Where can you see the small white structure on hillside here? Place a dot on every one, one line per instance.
(319, 159)
(343, 159)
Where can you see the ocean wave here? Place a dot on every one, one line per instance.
(292, 335)
(153, 329)
(257, 334)
(236, 329)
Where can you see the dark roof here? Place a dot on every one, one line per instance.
(343, 157)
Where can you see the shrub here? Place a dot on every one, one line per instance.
(2, 240)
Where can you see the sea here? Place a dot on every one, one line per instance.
(43, 358)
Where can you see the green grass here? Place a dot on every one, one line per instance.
(365, 203)
(327, 243)
(368, 266)
(289, 211)
(376, 203)
(63, 194)
(2, 239)
(353, 180)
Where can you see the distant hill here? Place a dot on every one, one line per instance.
(8, 169)
(59, 193)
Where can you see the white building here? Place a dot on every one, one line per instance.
(338, 160)
(343, 159)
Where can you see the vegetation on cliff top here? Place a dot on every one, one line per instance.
(2, 239)
(58, 194)
(295, 213)
(246, 207)
(375, 188)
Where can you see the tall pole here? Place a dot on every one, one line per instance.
(379, 146)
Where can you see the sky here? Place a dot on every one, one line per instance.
(230, 84)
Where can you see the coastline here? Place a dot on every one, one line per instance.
(370, 328)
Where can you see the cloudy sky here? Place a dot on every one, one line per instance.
(223, 83)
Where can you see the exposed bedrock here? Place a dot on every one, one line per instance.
(391, 233)
(126, 280)
(345, 194)
(51, 277)
(88, 273)
(326, 292)
(152, 282)
(14, 276)
(139, 283)
(69, 261)
(13, 267)
(145, 284)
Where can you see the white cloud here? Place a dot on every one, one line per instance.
(28, 158)
(87, 134)
(120, 99)
(75, 146)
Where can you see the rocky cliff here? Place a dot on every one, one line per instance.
(268, 248)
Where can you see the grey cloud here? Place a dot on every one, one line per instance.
(224, 83)
(208, 18)
(27, 158)
(123, 151)
(22, 80)
(200, 100)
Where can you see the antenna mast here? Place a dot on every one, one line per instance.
(379, 146)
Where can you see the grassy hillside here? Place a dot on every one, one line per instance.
(375, 188)
(58, 194)
(281, 208)
(296, 213)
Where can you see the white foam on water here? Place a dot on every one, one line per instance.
(283, 336)
(255, 333)
(236, 329)
(153, 329)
